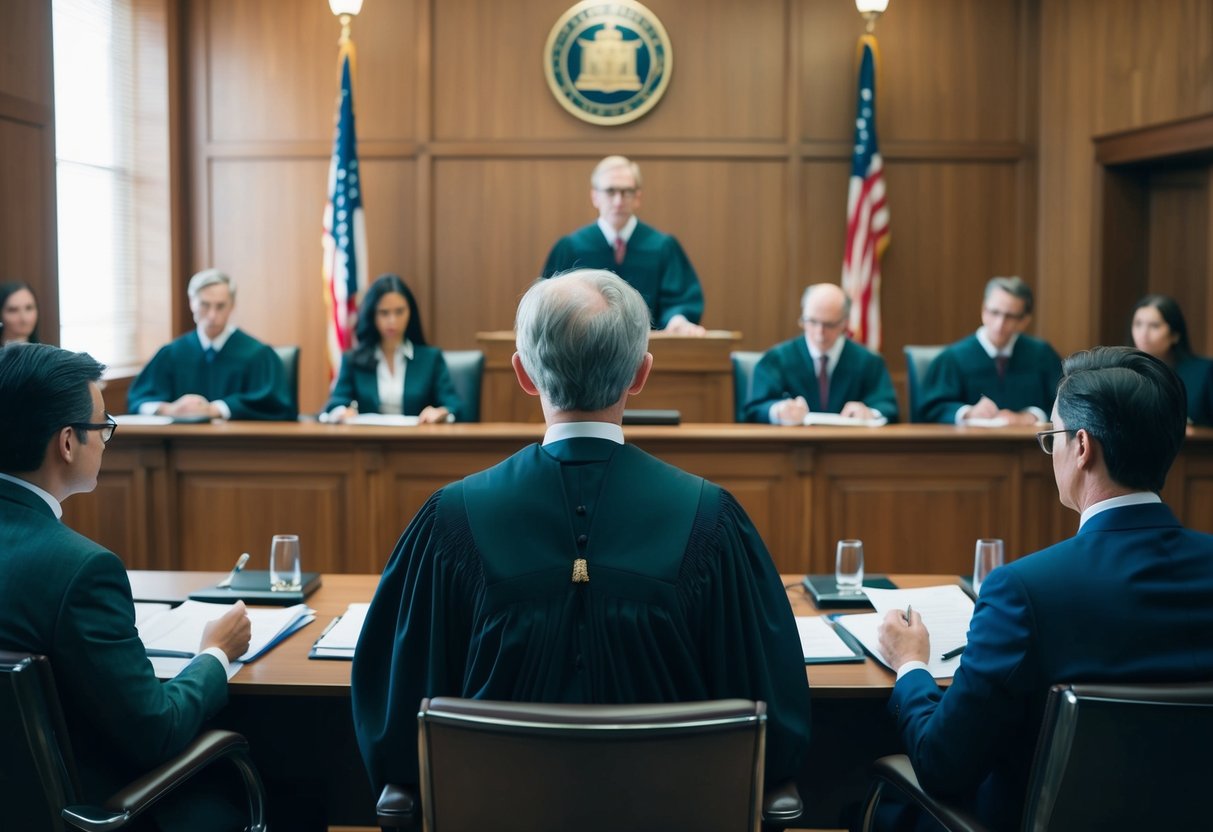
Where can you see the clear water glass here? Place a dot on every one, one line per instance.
(848, 567)
(286, 573)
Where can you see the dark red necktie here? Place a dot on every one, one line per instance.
(1001, 363)
(823, 381)
(621, 250)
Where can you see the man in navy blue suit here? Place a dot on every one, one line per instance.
(1124, 600)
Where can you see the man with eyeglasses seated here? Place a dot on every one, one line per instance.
(998, 372)
(68, 598)
(821, 372)
(1124, 600)
(652, 262)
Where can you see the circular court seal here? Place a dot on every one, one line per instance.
(608, 63)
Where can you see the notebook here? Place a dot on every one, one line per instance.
(252, 586)
(823, 589)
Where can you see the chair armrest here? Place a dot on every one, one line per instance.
(896, 772)
(207, 748)
(781, 805)
(397, 807)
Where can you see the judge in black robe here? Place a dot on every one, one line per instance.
(583, 570)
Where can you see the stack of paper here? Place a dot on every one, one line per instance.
(945, 611)
(839, 421)
(341, 636)
(172, 637)
(822, 644)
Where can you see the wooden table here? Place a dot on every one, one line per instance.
(196, 496)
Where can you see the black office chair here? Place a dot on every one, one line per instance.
(743, 380)
(918, 359)
(523, 766)
(40, 789)
(1109, 757)
(290, 363)
(467, 373)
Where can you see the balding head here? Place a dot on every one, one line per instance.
(824, 311)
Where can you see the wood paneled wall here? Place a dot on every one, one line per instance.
(27, 157)
(471, 169)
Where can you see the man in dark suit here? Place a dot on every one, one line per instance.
(651, 261)
(1125, 600)
(579, 570)
(822, 372)
(68, 598)
(217, 371)
(998, 372)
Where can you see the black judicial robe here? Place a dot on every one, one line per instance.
(1196, 372)
(654, 265)
(683, 601)
(964, 372)
(787, 371)
(246, 374)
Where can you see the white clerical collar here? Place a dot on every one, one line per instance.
(610, 233)
(1137, 498)
(219, 341)
(583, 430)
(45, 495)
(992, 350)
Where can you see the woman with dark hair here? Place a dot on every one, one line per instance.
(1159, 329)
(392, 370)
(18, 313)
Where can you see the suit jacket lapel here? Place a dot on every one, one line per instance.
(803, 375)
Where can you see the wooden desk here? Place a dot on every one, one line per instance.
(691, 375)
(195, 496)
(321, 765)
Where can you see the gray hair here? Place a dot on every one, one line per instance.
(582, 335)
(1013, 286)
(612, 162)
(209, 277)
(846, 299)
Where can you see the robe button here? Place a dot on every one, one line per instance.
(582, 539)
(581, 509)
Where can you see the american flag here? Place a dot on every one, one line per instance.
(867, 211)
(344, 238)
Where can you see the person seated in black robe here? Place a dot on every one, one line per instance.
(217, 371)
(1159, 329)
(581, 570)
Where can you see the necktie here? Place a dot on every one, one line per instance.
(209, 353)
(621, 250)
(823, 381)
(1001, 363)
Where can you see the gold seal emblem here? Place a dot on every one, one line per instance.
(608, 63)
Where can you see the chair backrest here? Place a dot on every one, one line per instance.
(743, 380)
(524, 766)
(290, 363)
(38, 776)
(1123, 757)
(918, 358)
(467, 373)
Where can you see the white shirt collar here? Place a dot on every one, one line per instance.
(45, 495)
(583, 430)
(992, 350)
(219, 341)
(1137, 498)
(405, 349)
(832, 354)
(610, 233)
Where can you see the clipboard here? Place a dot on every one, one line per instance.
(849, 641)
(823, 589)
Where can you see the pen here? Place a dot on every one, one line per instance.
(240, 562)
(953, 653)
(331, 625)
(906, 614)
(154, 653)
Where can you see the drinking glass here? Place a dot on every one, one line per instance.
(987, 558)
(286, 573)
(848, 567)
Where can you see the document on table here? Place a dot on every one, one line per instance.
(388, 420)
(172, 637)
(992, 422)
(822, 644)
(840, 421)
(340, 637)
(945, 611)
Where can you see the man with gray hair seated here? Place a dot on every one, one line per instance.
(998, 372)
(581, 570)
(216, 371)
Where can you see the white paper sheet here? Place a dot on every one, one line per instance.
(819, 640)
(945, 610)
(840, 421)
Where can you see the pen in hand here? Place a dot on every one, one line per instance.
(953, 653)
(906, 615)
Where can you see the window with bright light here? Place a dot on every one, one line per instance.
(94, 122)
